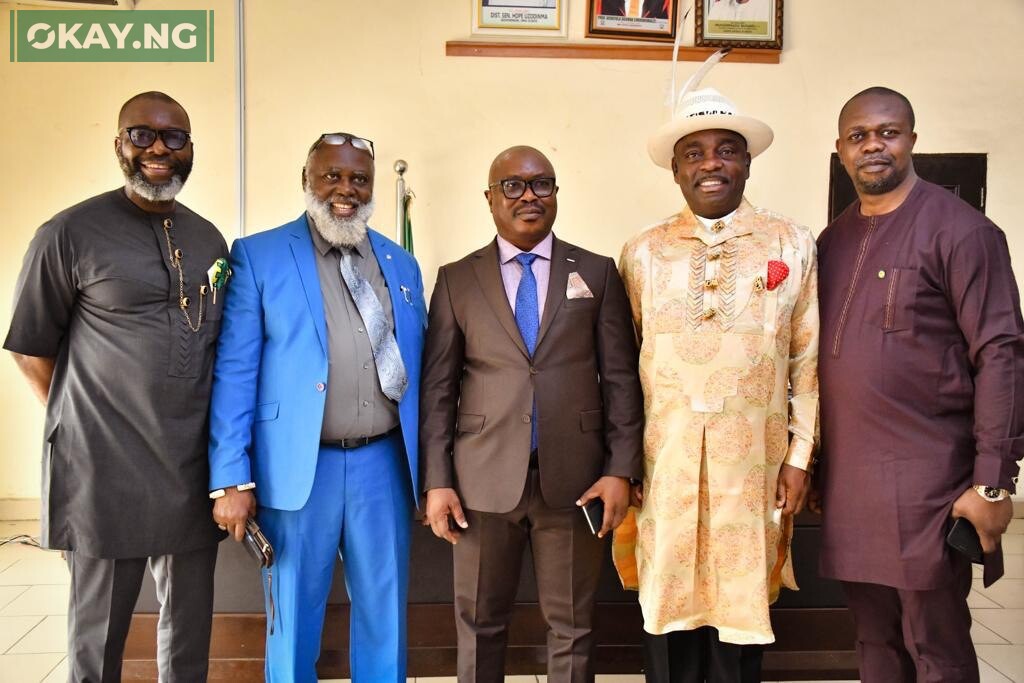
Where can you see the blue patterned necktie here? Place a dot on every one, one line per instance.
(528, 320)
(390, 368)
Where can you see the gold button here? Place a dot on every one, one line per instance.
(204, 290)
(710, 284)
(168, 223)
(758, 283)
(178, 254)
(184, 302)
(881, 275)
(708, 314)
(714, 254)
(718, 226)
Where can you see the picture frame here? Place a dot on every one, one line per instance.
(652, 20)
(738, 23)
(545, 18)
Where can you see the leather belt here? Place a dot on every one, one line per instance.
(358, 441)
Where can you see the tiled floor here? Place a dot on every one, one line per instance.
(34, 593)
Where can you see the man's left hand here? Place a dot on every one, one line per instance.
(990, 519)
(614, 492)
(791, 490)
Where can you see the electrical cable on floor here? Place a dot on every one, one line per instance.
(21, 539)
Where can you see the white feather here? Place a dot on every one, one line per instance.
(699, 75)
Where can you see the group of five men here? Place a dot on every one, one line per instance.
(681, 389)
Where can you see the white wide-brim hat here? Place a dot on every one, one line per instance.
(706, 109)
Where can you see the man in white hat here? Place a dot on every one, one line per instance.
(724, 299)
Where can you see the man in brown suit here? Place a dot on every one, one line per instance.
(530, 407)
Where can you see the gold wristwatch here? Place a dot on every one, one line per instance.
(991, 493)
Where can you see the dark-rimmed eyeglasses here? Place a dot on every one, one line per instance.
(341, 139)
(514, 188)
(144, 137)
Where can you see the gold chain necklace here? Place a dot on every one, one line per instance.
(175, 256)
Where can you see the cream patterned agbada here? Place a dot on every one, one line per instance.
(722, 342)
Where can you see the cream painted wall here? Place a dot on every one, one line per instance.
(378, 68)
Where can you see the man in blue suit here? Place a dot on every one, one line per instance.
(314, 414)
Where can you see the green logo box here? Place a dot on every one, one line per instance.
(111, 35)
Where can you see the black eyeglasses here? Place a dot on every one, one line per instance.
(341, 139)
(144, 136)
(514, 188)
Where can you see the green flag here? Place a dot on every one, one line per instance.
(407, 226)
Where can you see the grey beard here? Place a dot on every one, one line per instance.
(138, 184)
(338, 232)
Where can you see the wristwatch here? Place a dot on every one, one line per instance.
(991, 493)
(220, 493)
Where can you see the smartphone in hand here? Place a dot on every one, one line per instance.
(593, 511)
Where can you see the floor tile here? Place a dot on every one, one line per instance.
(1008, 623)
(27, 668)
(51, 635)
(1004, 592)
(989, 673)
(975, 600)
(1016, 526)
(30, 527)
(1013, 566)
(41, 600)
(981, 634)
(1006, 659)
(43, 568)
(59, 674)
(1013, 544)
(13, 629)
(9, 593)
(620, 678)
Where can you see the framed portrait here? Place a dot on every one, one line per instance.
(520, 17)
(632, 19)
(738, 23)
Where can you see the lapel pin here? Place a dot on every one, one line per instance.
(387, 256)
(570, 260)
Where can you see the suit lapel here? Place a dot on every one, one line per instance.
(305, 263)
(488, 273)
(558, 278)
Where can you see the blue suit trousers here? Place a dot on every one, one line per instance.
(359, 508)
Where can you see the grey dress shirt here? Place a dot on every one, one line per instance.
(355, 405)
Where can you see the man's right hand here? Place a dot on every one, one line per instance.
(232, 509)
(440, 504)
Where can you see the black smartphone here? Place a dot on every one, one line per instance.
(963, 537)
(593, 511)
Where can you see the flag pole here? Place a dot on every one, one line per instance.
(400, 169)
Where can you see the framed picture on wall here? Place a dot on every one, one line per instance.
(520, 17)
(632, 19)
(738, 23)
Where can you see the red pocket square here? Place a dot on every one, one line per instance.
(777, 272)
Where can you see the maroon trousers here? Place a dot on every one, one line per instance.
(915, 636)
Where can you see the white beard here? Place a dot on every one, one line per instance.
(338, 232)
(138, 184)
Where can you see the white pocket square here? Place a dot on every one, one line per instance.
(577, 288)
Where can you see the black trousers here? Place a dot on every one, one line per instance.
(697, 656)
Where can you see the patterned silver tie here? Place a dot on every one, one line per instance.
(390, 368)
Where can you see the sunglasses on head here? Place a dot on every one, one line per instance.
(341, 139)
(144, 136)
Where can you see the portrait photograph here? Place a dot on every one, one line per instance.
(520, 17)
(739, 23)
(632, 19)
